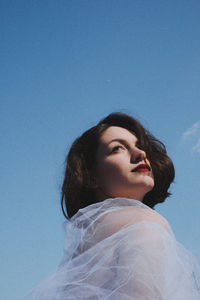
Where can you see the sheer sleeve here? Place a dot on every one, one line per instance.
(122, 250)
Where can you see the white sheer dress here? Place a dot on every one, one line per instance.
(121, 249)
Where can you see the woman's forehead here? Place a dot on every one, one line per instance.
(117, 133)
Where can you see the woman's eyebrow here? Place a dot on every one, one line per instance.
(122, 141)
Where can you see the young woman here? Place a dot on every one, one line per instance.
(117, 246)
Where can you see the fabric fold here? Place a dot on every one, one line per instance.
(116, 249)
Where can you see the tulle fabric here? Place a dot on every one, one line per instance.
(113, 251)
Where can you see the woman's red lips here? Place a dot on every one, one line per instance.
(141, 168)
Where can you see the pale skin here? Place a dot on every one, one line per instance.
(117, 155)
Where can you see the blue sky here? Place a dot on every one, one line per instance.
(64, 66)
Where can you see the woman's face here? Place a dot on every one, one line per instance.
(122, 168)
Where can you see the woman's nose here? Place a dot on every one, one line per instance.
(138, 155)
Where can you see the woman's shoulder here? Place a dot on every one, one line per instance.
(123, 217)
(112, 215)
(118, 218)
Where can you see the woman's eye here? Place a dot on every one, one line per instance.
(117, 149)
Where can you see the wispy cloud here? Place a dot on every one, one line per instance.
(196, 147)
(194, 133)
(192, 130)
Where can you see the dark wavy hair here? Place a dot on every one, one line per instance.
(77, 188)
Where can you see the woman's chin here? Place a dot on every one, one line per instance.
(148, 183)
